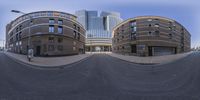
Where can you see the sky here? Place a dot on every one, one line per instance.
(184, 11)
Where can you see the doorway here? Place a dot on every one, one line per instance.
(38, 50)
(150, 51)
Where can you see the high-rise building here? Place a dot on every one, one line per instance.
(98, 28)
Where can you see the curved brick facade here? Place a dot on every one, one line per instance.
(52, 34)
(150, 36)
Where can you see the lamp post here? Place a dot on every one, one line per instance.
(29, 31)
(3, 46)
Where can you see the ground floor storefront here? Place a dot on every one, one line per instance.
(146, 50)
(49, 45)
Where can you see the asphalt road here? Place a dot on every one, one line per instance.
(101, 77)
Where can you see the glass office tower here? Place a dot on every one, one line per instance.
(98, 28)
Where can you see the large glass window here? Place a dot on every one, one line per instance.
(60, 29)
(51, 28)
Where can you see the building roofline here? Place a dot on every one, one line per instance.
(39, 12)
(148, 16)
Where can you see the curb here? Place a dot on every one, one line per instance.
(135, 62)
(48, 67)
(152, 63)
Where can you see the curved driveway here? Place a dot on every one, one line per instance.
(102, 77)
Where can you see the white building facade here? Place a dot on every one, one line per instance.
(98, 28)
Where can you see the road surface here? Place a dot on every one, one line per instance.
(101, 77)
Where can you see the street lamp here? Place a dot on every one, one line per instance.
(29, 29)
(3, 44)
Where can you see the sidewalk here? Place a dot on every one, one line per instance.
(150, 60)
(48, 61)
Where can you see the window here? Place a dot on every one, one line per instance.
(170, 28)
(51, 21)
(51, 28)
(60, 22)
(117, 40)
(16, 44)
(78, 36)
(157, 33)
(17, 30)
(51, 48)
(20, 42)
(20, 27)
(60, 29)
(133, 36)
(133, 26)
(60, 40)
(182, 29)
(135, 29)
(78, 29)
(44, 47)
(170, 35)
(60, 48)
(133, 49)
(149, 20)
(133, 23)
(16, 37)
(170, 23)
(149, 32)
(156, 25)
(74, 43)
(74, 26)
(51, 39)
(74, 34)
(74, 48)
(156, 19)
(149, 25)
(20, 35)
(174, 27)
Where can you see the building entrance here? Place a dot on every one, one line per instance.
(38, 48)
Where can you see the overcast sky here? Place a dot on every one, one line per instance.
(184, 11)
